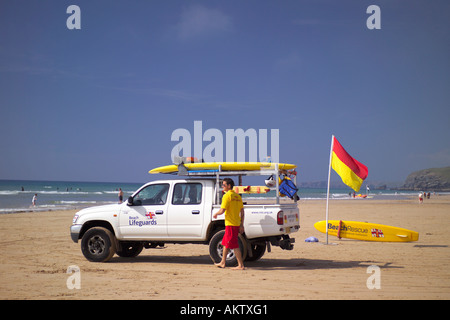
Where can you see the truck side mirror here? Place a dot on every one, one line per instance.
(130, 201)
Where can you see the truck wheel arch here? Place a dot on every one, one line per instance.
(95, 223)
(213, 228)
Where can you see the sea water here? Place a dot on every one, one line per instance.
(67, 195)
(17, 195)
(340, 194)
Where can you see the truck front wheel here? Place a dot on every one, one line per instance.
(98, 244)
(216, 249)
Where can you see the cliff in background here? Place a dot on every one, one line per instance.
(434, 179)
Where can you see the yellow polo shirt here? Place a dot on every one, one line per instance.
(232, 203)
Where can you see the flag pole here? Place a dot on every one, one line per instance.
(328, 187)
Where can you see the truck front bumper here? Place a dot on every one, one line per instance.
(75, 232)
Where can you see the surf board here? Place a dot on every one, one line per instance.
(366, 231)
(251, 189)
(226, 166)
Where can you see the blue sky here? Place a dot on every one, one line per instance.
(101, 103)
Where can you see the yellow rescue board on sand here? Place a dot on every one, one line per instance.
(366, 231)
(251, 189)
(226, 166)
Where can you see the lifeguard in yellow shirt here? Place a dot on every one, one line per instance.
(233, 208)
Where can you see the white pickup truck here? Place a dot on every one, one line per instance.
(180, 211)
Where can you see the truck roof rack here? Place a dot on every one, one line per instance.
(217, 173)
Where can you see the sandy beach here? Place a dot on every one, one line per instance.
(37, 251)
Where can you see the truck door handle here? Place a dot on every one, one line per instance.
(195, 211)
(159, 212)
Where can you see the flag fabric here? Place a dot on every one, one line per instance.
(351, 171)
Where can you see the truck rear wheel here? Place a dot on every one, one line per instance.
(216, 249)
(258, 250)
(129, 249)
(98, 244)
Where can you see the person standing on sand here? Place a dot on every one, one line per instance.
(233, 208)
(120, 195)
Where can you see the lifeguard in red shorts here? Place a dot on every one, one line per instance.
(233, 208)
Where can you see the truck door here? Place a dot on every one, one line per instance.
(146, 218)
(186, 211)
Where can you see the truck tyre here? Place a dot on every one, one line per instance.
(98, 244)
(258, 251)
(128, 249)
(216, 249)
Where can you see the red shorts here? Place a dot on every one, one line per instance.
(230, 238)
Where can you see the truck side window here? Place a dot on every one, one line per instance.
(187, 193)
(153, 194)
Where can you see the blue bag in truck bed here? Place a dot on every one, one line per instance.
(288, 188)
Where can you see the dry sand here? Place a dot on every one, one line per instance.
(36, 251)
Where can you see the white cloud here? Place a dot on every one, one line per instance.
(198, 21)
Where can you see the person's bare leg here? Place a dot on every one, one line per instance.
(237, 253)
(221, 264)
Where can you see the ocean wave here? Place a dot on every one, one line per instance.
(75, 202)
(9, 192)
(73, 192)
(56, 192)
(35, 209)
(58, 206)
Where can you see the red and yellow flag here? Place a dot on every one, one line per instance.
(351, 171)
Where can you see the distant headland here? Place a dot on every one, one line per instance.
(434, 179)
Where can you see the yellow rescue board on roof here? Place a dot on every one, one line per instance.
(226, 166)
(366, 231)
(251, 189)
